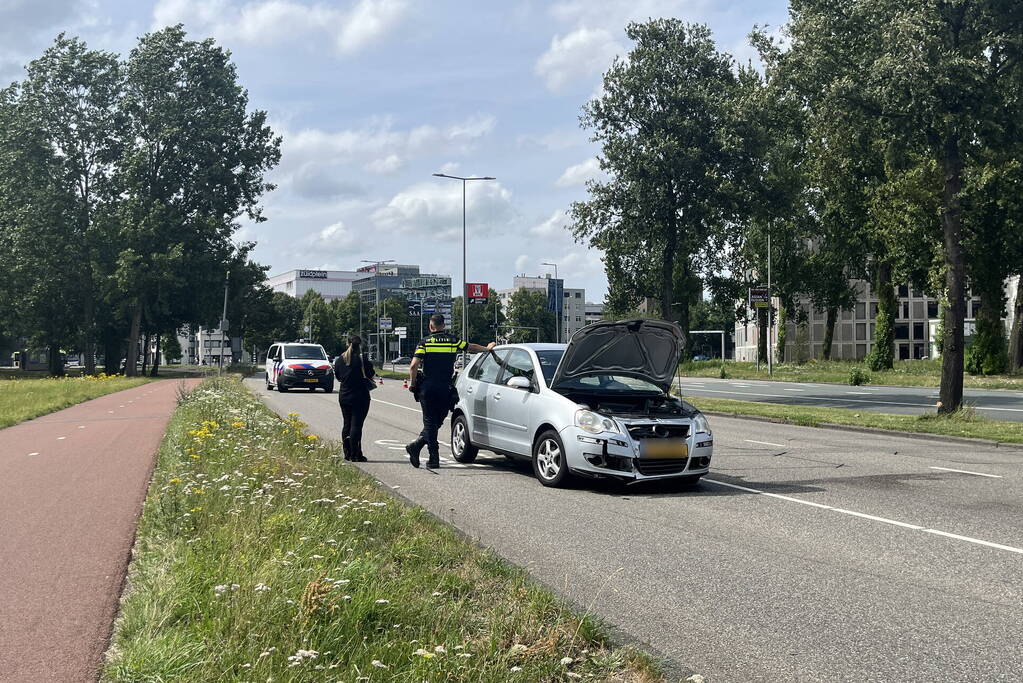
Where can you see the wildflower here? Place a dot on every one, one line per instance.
(440, 649)
(377, 663)
(518, 647)
(572, 674)
(565, 661)
(515, 669)
(313, 437)
(464, 654)
(175, 480)
(421, 652)
(383, 602)
(261, 587)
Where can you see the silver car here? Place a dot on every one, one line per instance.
(598, 406)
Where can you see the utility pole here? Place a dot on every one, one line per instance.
(465, 310)
(223, 321)
(770, 308)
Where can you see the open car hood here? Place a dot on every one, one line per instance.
(644, 349)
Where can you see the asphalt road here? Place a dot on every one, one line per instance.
(806, 554)
(994, 404)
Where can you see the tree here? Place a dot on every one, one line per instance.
(482, 319)
(528, 309)
(671, 152)
(274, 317)
(72, 94)
(194, 162)
(171, 347)
(934, 77)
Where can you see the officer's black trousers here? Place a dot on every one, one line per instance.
(435, 402)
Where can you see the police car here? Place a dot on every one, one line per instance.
(290, 365)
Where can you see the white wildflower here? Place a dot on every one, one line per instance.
(565, 661)
(377, 663)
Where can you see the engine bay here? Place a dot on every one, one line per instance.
(629, 406)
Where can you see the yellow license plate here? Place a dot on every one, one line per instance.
(664, 448)
(312, 380)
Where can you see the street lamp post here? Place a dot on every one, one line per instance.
(223, 321)
(465, 302)
(557, 312)
(376, 285)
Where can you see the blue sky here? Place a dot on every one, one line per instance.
(372, 96)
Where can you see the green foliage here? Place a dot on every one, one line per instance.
(528, 308)
(481, 319)
(171, 347)
(723, 373)
(987, 352)
(802, 342)
(857, 376)
(783, 333)
(882, 354)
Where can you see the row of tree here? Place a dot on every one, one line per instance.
(122, 182)
(881, 141)
(274, 316)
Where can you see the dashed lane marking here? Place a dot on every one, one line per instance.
(977, 474)
(766, 443)
(884, 520)
(34, 453)
(61, 438)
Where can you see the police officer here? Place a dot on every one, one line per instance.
(436, 356)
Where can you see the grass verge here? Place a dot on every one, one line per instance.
(963, 423)
(907, 373)
(23, 399)
(260, 557)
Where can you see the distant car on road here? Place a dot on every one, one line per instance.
(599, 406)
(289, 366)
(700, 356)
(401, 360)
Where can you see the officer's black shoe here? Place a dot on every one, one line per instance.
(433, 464)
(413, 455)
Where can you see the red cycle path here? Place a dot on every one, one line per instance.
(72, 485)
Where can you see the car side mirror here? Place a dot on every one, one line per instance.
(519, 383)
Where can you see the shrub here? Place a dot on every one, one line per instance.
(723, 374)
(858, 376)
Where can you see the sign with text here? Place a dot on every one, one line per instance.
(759, 297)
(477, 292)
(415, 308)
(555, 295)
(385, 324)
(313, 274)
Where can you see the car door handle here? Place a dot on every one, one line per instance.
(497, 396)
(468, 391)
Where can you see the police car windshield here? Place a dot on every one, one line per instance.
(549, 363)
(304, 352)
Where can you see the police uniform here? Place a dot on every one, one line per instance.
(436, 355)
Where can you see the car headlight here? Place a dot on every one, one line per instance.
(700, 424)
(289, 371)
(594, 423)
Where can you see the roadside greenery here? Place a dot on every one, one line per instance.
(961, 423)
(23, 399)
(260, 556)
(908, 373)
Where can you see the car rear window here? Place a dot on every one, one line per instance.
(304, 352)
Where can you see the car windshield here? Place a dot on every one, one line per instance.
(304, 352)
(549, 363)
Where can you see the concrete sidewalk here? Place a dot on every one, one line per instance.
(72, 485)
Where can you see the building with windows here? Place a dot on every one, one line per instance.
(916, 322)
(593, 313)
(331, 284)
(573, 315)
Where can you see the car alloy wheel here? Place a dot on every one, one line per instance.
(549, 460)
(462, 448)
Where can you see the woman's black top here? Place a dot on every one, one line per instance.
(353, 386)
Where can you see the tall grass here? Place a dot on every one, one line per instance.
(24, 399)
(261, 557)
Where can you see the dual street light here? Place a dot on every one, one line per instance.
(465, 298)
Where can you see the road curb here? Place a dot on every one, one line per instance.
(872, 430)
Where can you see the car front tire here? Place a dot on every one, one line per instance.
(329, 388)
(462, 448)
(266, 378)
(280, 386)
(549, 464)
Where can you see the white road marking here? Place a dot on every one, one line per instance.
(81, 426)
(34, 453)
(61, 438)
(979, 474)
(793, 389)
(885, 520)
(397, 405)
(860, 393)
(766, 443)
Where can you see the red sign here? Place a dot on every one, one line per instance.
(478, 292)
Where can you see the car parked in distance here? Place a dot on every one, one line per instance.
(599, 406)
(298, 364)
(701, 356)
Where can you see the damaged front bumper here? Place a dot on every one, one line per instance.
(622, 457)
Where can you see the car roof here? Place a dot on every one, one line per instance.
(535, 346)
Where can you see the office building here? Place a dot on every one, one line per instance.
(331, 284)
(573, 315)
(593, 313)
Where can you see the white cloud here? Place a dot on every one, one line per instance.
(578, 56)
(334, 237)
(578, 174)
(522, 263)
(555, 226)
(434, 209)
(264, 22)
(388, 164)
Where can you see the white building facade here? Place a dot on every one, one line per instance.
(331, 284)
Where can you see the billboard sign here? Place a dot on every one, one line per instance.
(759, 297)
(477, 292)
(385, 324)
(312, 274)
(555, 295)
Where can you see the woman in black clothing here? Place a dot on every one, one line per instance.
(353, 371)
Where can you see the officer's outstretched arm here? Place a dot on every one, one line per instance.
(476, 348)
